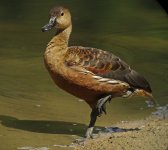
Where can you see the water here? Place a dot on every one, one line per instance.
(32, 107)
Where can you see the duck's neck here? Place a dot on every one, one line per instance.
(59, 43)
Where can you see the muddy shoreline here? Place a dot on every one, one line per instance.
(148, 134)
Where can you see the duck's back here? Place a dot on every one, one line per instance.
(106, 65)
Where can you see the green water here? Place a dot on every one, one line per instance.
(33, 111)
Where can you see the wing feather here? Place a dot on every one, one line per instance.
(106, 65)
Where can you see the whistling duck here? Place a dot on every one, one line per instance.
(91, 74)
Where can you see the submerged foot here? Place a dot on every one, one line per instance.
(79, 141)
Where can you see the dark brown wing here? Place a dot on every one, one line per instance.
(106, 65)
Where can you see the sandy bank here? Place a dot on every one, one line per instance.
(148, 134)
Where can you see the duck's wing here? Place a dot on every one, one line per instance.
(105, 65)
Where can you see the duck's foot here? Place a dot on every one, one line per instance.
(101, 104)
(89, 135)
(80, 141)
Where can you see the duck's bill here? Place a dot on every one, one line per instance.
(50, 25)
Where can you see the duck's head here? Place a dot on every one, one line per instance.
(60, 18)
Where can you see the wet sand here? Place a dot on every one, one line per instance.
(148, 134)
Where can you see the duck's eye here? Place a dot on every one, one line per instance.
(62, 14)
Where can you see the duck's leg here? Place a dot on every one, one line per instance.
(93, 118)
(97, 111)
